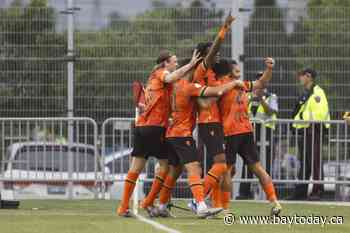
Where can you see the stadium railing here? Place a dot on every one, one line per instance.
(49, 158)
(280, 151)
(33, 163)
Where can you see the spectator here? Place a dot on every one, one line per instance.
(312, 105)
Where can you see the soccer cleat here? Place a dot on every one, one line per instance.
(192, 205)
(126, 214)
(152, 211)
(205, 213)
(165, 213)
(276, 209)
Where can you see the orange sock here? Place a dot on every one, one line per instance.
(270, 192)
(216, 197)
(129, 186)
(213, 178)
(155, 189)
(226, 197)
(196, 187)
(165, 192)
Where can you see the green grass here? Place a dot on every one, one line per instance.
(98, 217)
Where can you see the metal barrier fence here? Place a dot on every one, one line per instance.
(40, 160)
(317, 155)
(49, 158)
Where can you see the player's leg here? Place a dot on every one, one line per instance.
(175, 170)
(158, 181)
(249, 153)
(231, 147)
(147, 141)
(213, 138)
(226, 187)
(160, 151)
(186, 150)
(137, 165)
(268, 187)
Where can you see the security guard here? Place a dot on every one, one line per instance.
(312, 105)
(263, 106)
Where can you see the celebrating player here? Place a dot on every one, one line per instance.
(209, 123)
(238, 129)
(150, 127)
(181, 144)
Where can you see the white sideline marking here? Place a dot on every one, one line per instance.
(325, 203)
(156, 225)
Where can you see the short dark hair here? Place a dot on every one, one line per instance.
(202, 48)
(163, 56)
(309, 71)
(224, 66)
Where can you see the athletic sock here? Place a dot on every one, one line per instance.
(213, 177)
(165, 192)
(196, 187)
(216, 198)
(129, 185)
(226, 197)
(201, 206)
(155, 189)
(270, 192)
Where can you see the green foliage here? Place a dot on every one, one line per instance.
(31, 78)
(266, 36)
(326, 41)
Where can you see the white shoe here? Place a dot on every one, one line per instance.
(204, 213)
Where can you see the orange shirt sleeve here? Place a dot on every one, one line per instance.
(163, 74)
(194, 89)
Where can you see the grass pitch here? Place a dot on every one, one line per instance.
(37, 216)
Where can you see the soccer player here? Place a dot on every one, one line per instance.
(181, 145)
(238, 129)
(209, 123)
(150, 126)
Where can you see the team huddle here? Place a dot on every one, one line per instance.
(206, 91)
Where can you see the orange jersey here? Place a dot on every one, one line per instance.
(183, 103)
(206, 77)
(157, 105)
(234, 109)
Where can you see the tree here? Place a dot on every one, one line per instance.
(326, 48)
(32, 78)
(110, 59)
(266, 36)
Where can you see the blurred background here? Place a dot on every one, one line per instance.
(116, 42)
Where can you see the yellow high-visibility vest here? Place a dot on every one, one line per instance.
(261, 114)
(315, 108)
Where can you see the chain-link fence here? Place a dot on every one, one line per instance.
(116, 45)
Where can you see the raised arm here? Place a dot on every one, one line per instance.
(179, 73)
(214, 49)
(267, 75)
(220, 90)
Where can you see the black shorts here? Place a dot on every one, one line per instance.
(181, 150)
(242, 144)
(149, 141)
(212, 135)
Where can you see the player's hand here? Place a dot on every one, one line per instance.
(195, 57)
(229, 19)
(239, 84)
(269, 62)
(346, 117)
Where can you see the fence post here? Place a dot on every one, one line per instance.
(70, 88)
(263, 144)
